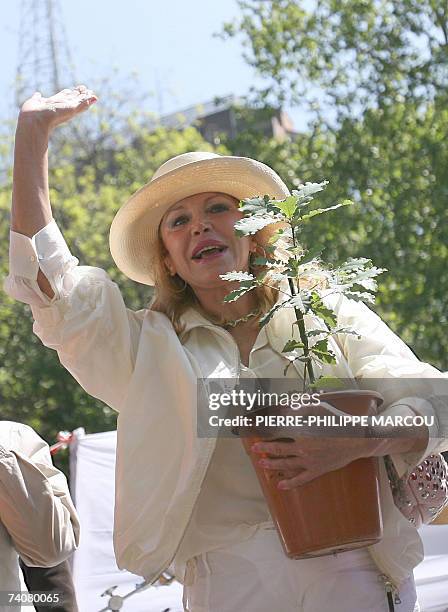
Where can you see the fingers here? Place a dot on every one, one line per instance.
(87, 95)
(70, 102)
(296, 481)
(276, 449)
(285, 463)
(81, 92)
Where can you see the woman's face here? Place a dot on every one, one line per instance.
(199, 236)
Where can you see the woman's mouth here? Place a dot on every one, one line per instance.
(209, 252)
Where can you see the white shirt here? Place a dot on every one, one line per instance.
(37, 518)
(135, 362)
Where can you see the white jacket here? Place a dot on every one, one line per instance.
(37, 518)
(134, 362)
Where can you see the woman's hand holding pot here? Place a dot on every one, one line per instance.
(306, 452)
(305, 458)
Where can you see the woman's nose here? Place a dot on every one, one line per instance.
(200, 226)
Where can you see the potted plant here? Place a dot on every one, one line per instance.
(340, 510)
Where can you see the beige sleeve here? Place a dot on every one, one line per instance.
(35, 504)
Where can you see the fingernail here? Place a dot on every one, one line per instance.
(255, 448)
(282, 485)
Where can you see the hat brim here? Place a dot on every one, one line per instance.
(134, 230)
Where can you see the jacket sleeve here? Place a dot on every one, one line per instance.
(380, 360)
(35, 504)
(86, 322)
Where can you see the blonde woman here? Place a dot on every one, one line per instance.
(192, 503)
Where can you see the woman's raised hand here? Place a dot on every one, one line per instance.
(63, 106)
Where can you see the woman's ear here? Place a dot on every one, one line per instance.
(169, 265)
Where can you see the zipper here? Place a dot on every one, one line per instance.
(392, 593)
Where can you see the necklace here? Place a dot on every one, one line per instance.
(236, 322)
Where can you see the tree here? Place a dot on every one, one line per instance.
(348, 54)
(375, 75)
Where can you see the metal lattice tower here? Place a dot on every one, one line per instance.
(44, 62)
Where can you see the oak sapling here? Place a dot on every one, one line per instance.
(303, 281)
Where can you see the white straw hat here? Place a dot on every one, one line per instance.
(134, 230)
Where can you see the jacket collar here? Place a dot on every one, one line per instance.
(275, 332)
(191, 319)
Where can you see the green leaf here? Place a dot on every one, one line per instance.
(268, 316)
(321, 346)
(360, 296)
(308, 189)
(291, 345)
(288, 206)
(323, 312)
(320, 349)
(292, 269)
(315, 332)
(237, 276)
(260, 261)
(320, 211)
(244, 287)
(328, 382)
(251, 225)
(347, 331)
(253, 206)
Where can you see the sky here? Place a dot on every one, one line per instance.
(170, 44)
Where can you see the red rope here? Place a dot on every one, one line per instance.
(64, 438)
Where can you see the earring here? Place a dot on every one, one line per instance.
(170, 271)
(181, 289)
(256, 252)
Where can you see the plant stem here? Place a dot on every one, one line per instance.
(300, 322)
(304, 338)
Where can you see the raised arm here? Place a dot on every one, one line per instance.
(31, 209)
(78, 310)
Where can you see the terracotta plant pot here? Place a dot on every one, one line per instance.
(336, 512)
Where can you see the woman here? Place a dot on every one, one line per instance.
(181, 500)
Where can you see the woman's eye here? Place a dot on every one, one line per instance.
(219, 207)
(179, 220)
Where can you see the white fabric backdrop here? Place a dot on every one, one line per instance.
(92, 463)
(431, 576)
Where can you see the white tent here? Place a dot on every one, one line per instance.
(92, 464)
(431, 576)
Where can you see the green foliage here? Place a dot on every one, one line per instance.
(287, 268)
(376, 88)
(345, 54)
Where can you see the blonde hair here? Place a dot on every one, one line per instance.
(173, 296)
